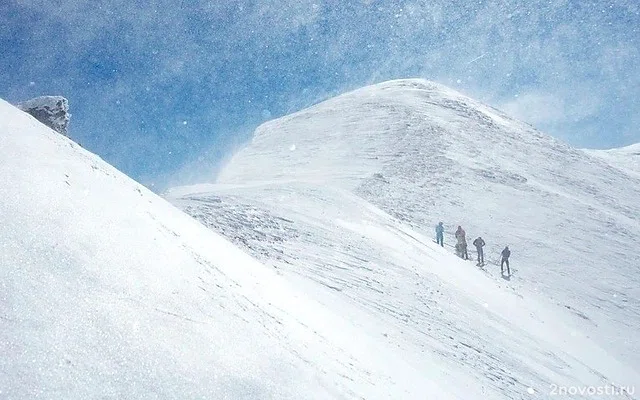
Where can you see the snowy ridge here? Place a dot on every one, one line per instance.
(343, 197)
(626, 158)
(107, 291)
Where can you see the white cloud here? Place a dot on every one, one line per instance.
(536, 108)
(545, 108)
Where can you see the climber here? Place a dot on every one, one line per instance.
(462, 242)
(440, 234)
(505, 260)
(479, 243)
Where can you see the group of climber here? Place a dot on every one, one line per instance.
(461, 247)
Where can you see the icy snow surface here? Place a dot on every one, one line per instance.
(342, 199)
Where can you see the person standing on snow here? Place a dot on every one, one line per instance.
(440, 234)
(505, 260)
(479, 243)
(462, 242)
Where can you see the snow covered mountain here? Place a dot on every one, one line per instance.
(107, 291)
(342, 199)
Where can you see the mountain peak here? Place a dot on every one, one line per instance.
(355, 135)
(423, 153)
(343, 197)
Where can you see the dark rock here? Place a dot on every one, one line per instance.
(53, 111)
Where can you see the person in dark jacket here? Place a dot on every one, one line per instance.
(479, 243)
(461, 236)
(505, 260)
(440, 234)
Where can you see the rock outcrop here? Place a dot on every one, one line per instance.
(53, 111)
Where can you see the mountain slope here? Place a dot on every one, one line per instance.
(424, 153)
(626, 158)
(107, 291)
(344, 195)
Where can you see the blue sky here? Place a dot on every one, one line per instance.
(159, 84)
